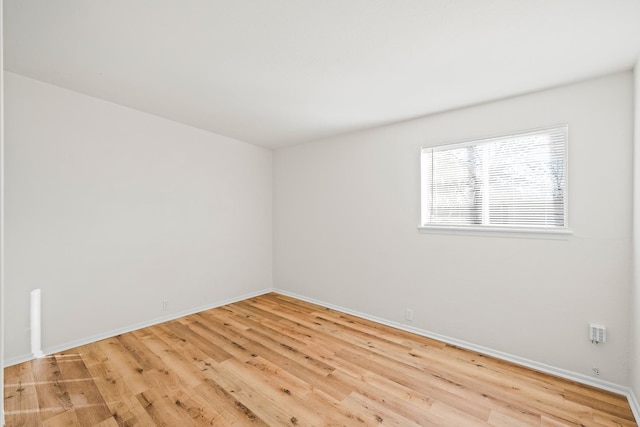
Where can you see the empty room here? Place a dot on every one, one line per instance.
(320, 213)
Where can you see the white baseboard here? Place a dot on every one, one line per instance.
(16, 360)
(563, 373)
(112, 333)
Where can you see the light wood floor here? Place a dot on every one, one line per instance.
(273, 360)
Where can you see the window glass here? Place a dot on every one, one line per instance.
(514, 181)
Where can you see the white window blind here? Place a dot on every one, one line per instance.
(517, 181)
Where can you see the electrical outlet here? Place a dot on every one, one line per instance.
(408, 314)
(597, 333)
(165, 305)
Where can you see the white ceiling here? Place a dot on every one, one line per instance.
(281, 72)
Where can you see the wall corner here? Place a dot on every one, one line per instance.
(634, 365)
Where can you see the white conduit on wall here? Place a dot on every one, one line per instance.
(36, 330)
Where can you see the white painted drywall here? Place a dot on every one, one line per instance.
(347, 211)
(110, 211)
(2, 304)
(635, 300)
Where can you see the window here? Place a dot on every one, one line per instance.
(513, 182)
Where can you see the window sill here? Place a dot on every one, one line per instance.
(526, 233)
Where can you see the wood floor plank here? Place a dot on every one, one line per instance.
(20, 396)
(294, 351)
(65, 419)
(175, 362)
(198, 341)
(274, 360)
(87, 401)
(129, 412)
(233, 412)
(53, 397)
(392, 397)
(110, 386)
(315, 404)
(274, 402)
(372, 413)
(110, 422)
(321, 380)
(195, 408)
(162, 410)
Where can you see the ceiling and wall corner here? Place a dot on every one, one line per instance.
(282, 72)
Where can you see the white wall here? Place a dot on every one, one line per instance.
(2, 305)
(110, 211)
(347, 210)
(635, 300)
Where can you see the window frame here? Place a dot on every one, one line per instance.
(500, 230)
